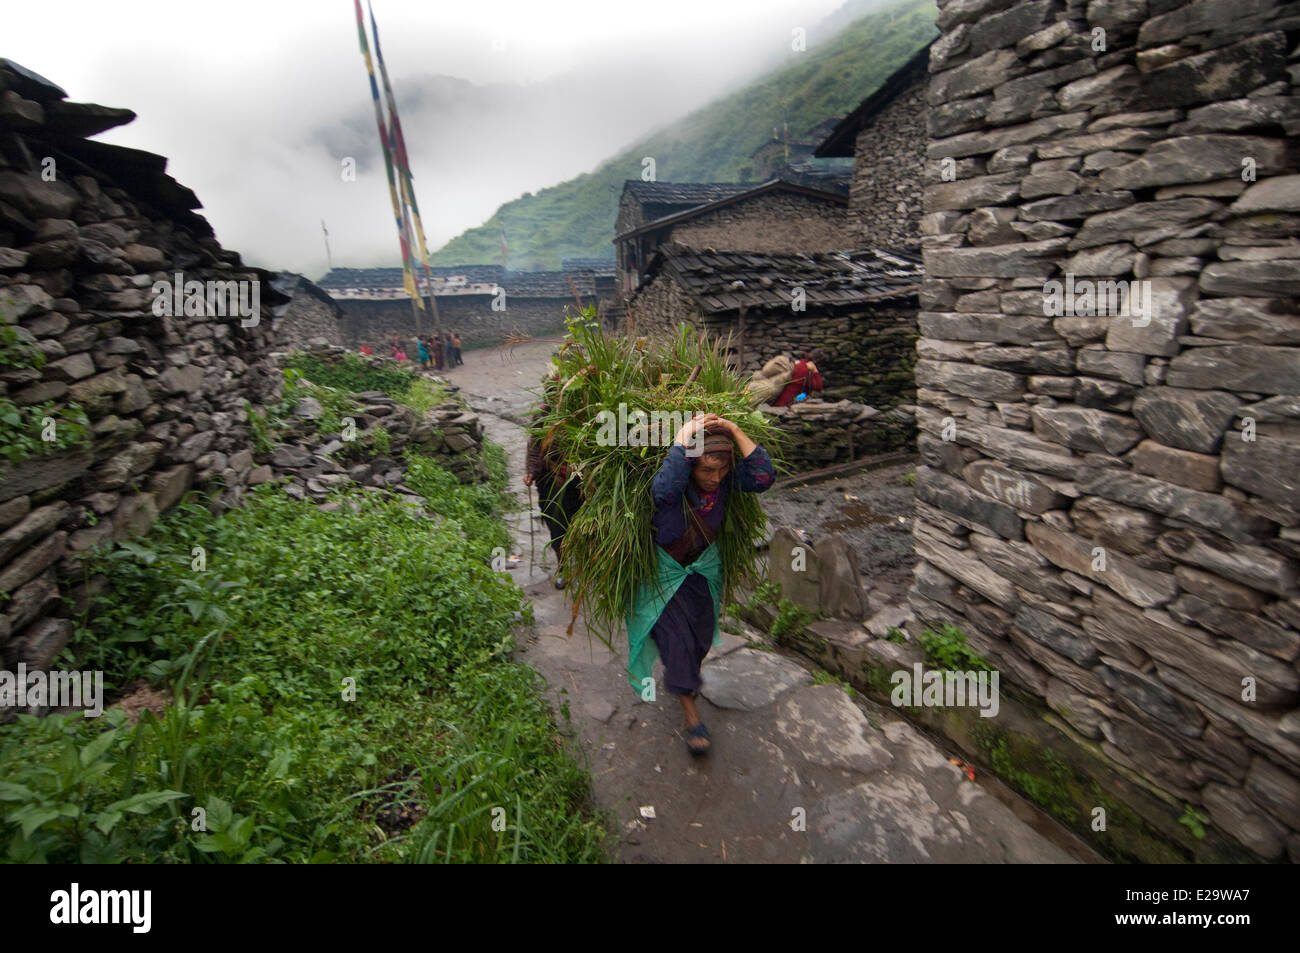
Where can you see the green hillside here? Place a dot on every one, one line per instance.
(713, 144)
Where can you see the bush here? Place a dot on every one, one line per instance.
(341, 692)
(947, 649)
(23, 429)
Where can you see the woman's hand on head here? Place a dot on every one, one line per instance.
(692, 426)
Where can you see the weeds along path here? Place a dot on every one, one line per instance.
(799, 771)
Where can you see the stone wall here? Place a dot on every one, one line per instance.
(165, 394)
(1110, 507)
(888, 159)
(773, 222)
(375, 322)
(822, 433)
(870, 348)
(314, 463)
(312, 314)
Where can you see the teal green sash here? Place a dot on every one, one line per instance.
(651, 599)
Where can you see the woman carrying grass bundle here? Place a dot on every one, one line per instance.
(676, 613)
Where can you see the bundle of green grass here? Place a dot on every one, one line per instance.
(609, 549)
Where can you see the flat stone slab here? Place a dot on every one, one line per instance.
(890, 617)
(748, 679)
(826, 728)
(729, 644)
(925, 812)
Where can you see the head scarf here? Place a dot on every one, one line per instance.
(718, 442)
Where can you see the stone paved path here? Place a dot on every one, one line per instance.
(866, 785)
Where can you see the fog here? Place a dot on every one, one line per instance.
(257, 104)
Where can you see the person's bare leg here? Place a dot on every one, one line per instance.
(692, 719)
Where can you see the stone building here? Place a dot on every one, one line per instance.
(886, 136)
(482, 303)
(309, 314)
(795, 214)
(859, 307)
(780, 153)
(1109, 391)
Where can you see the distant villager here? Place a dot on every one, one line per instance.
(804, 380)
(770, 381)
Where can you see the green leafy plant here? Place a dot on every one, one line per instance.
(790, 619)
(17, 350)
(821, 677)
(55, 804)
(947, 649)
(1194, 821)
(422, 394)
(895, 634)
(255, 654)
(351, 374)
(23, 429)
(259, 424)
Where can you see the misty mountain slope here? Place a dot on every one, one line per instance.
(713, 144)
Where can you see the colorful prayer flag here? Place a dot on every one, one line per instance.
(408, 265)
(398, 145)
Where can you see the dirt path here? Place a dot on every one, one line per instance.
(799, 772)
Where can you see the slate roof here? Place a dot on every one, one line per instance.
(547, 284)
(828, 185)
(682, 193)
(840, 142)
(462, 280)
(721, 281)
(599, 267)
(809, 176)
(383, 279)
(290, 284)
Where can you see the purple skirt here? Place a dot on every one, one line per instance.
(684, 634)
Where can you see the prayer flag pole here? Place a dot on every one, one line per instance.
(403, 165)
(408, 276)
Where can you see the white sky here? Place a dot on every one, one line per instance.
(256, 101)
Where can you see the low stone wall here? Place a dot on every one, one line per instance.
(315, 463)
(821, 433)
(374, 323)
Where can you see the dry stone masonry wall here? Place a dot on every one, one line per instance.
(311, 315)
(889, 159)
(164, 393)
(775, 222)
(373, 323)
(1110, 503)
(870, 348)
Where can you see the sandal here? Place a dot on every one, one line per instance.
(699, 731)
